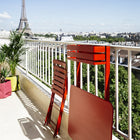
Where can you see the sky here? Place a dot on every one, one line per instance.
(73, 15)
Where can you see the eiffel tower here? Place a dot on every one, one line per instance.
(23, 21)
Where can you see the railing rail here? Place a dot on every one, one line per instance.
(38, 61)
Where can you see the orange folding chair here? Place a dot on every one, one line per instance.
(90, 117)
(59, 87)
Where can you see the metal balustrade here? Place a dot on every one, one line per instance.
(38, 61)
(39, 57)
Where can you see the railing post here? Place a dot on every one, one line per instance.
(43, 60)
(31, 57)
(116, 89)
(26, 60)
(40, 59)
(49, 64)
(88, 78)
(75, 73)
(69, 79)
(129, 95)
(81, 76)
(52, 66)
(64, 52)
(46, 62)
(36, 56)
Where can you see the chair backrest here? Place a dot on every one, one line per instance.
(90, 117)
(60, 77)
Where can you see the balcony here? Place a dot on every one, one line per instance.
(36, 73)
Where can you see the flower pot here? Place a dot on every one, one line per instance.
(5, 89)
(14, 82)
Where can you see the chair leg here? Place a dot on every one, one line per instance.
(59, 118)
(48, 116)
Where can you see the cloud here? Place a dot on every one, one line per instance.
(5, 15)
(102, 24)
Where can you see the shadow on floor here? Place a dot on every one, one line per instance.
(34, 128)
(30, 129)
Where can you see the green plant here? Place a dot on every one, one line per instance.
(4, 74)
(2, 60)
(14, 50)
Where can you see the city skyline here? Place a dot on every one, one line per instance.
(73, 16)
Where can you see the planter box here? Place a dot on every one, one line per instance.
(5, 89)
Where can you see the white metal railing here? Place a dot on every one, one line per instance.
(39, 57)
(38, 62)
(130, 50)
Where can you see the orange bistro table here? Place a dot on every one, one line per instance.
(90, 117)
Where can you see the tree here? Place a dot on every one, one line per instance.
(123, 97)
(92, 37)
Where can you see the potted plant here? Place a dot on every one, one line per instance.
(2, 59)
(13, 51)
(5, 85)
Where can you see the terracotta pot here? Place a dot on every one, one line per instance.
(5, 89)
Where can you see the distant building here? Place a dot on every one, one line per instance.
(123, 58)
(102, 36)
(67, 39)
(4, 34)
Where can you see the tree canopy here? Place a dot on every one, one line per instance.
(107, 39)
(123, 95)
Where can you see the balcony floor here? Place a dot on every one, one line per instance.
(21, 120)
